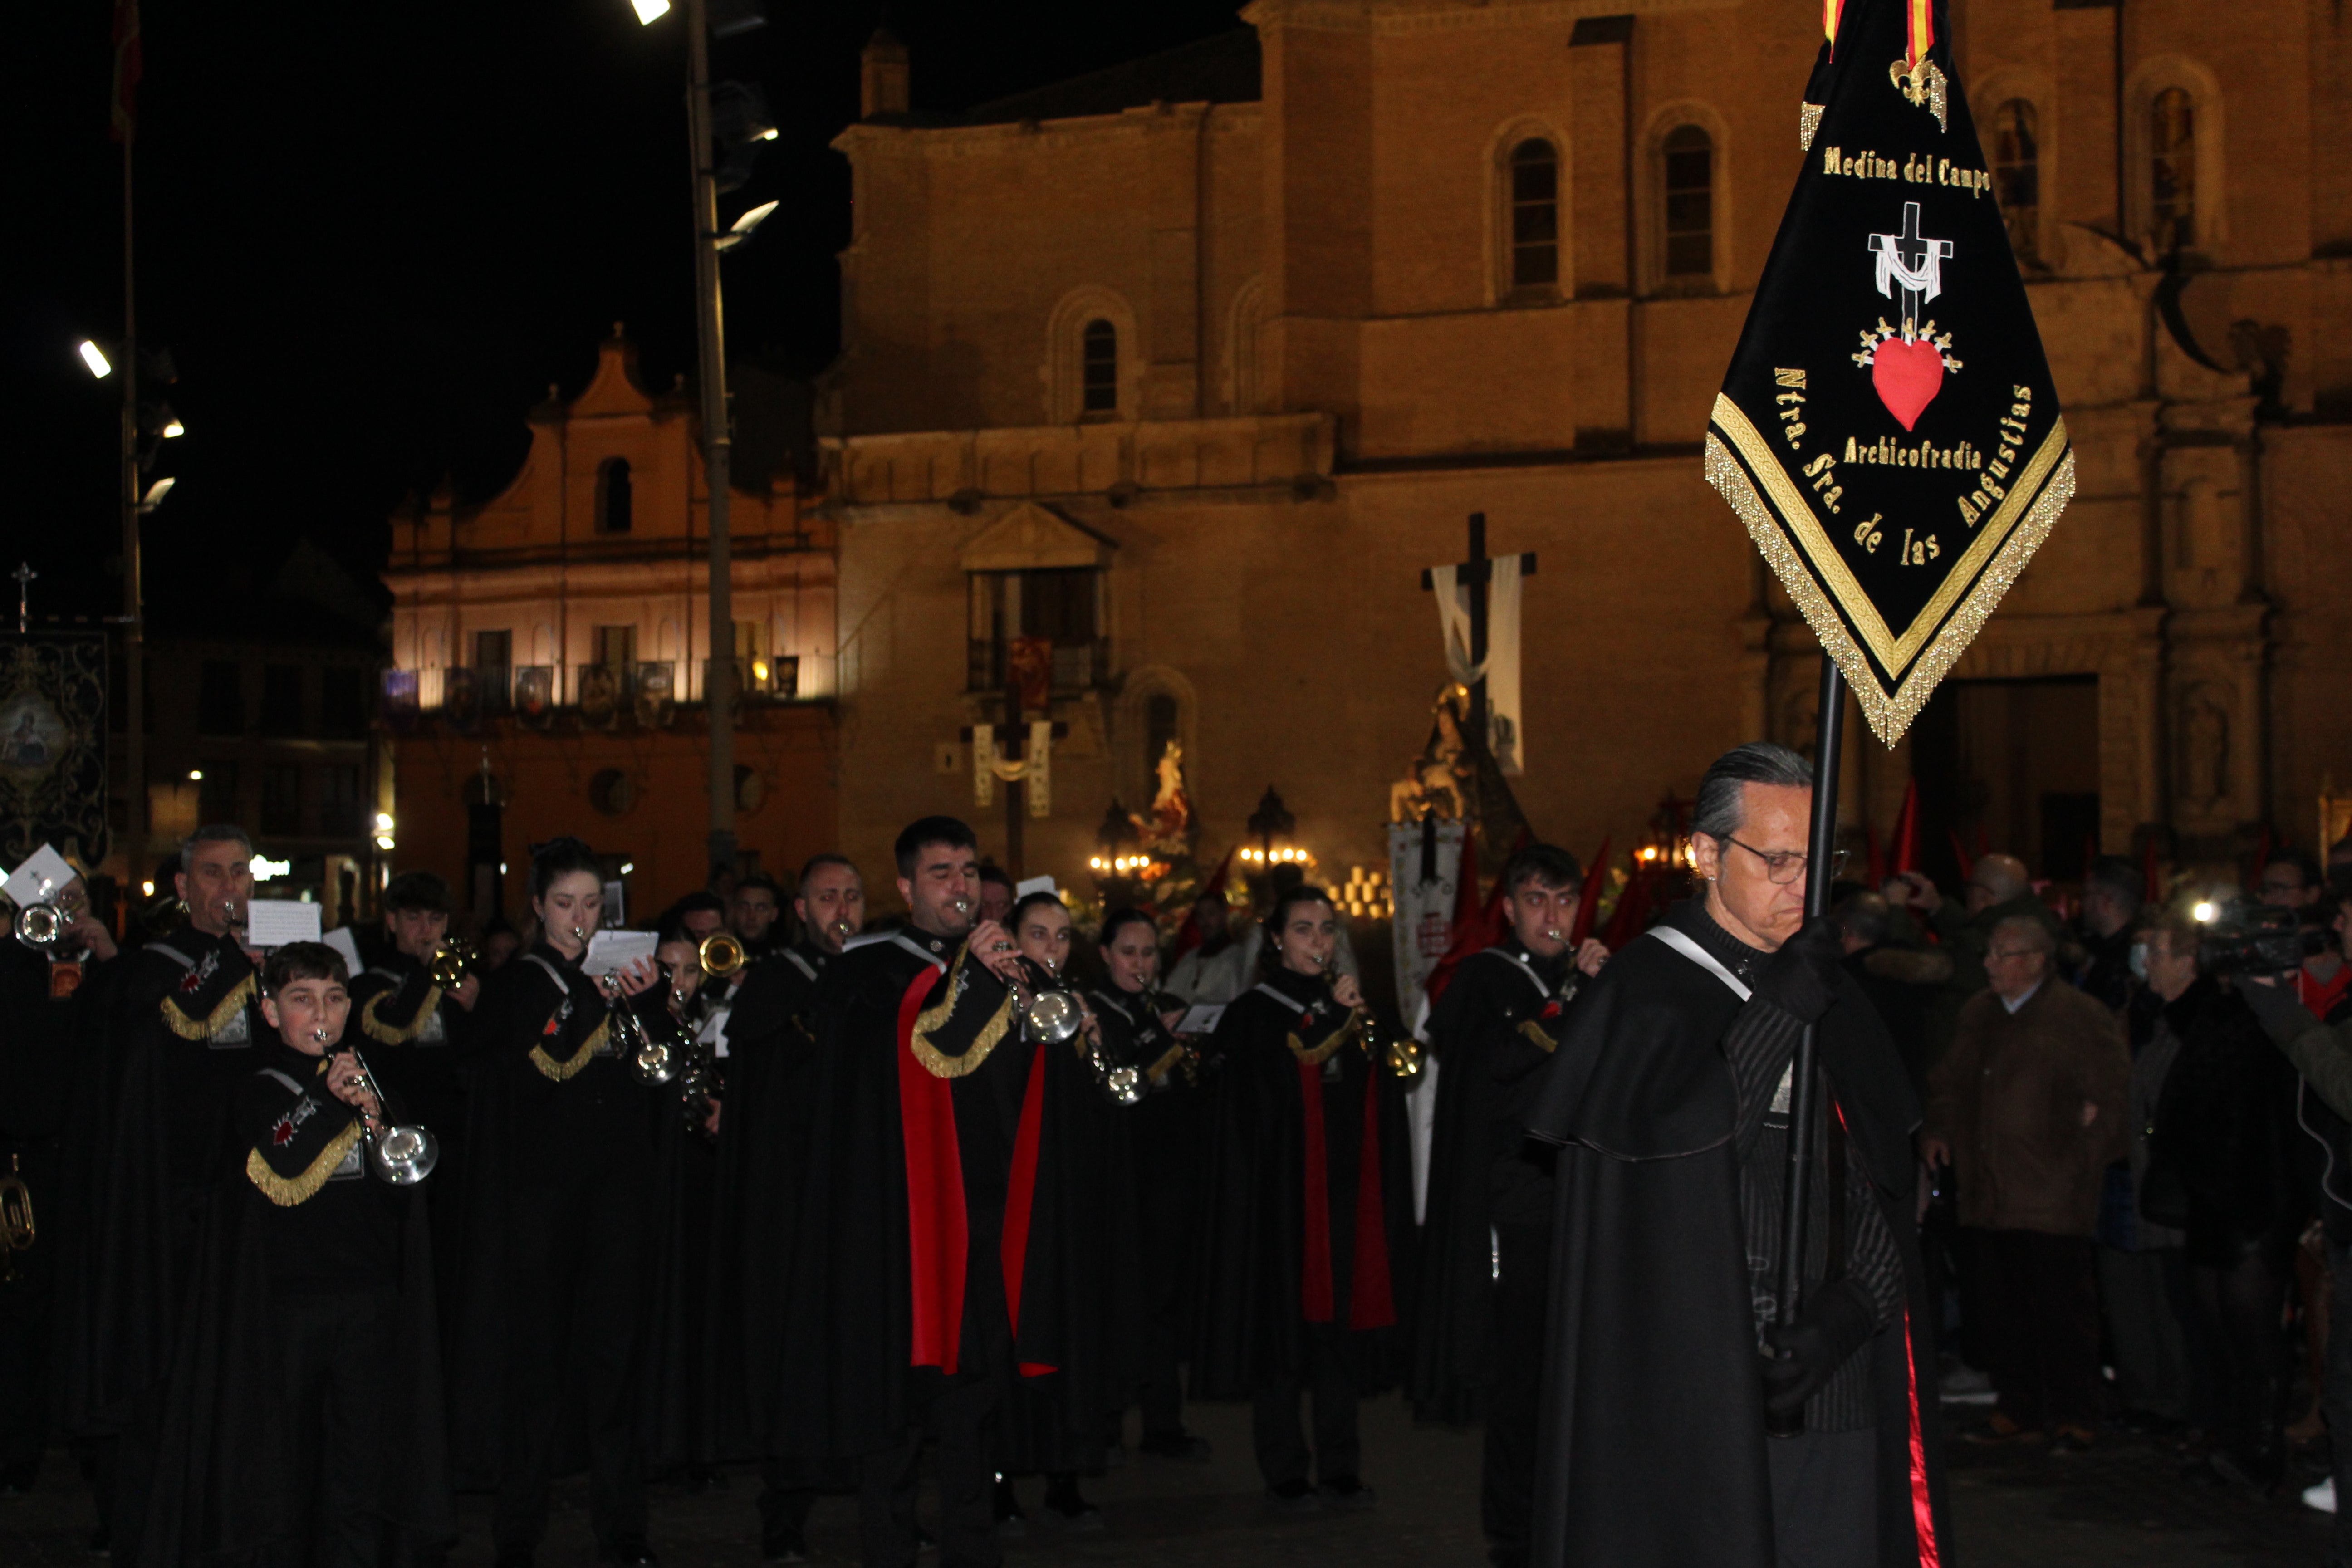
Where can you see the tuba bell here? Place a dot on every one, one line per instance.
(402, 1156)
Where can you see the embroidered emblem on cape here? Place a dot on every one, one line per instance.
(1895, 493)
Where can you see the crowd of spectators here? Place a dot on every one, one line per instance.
(2140, 1151)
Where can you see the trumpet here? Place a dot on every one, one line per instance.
(1051, 1013)
(16, 1229)
(41, 925)
(721, 955)
(654, 1061)
(450, 960)
(402, 1156)
(1400, 1054)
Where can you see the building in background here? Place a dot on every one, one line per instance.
(1188, 368)
(548, 649)
(259, 700)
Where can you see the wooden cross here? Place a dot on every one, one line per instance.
(1476, 574)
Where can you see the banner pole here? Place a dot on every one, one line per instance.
(1804, 1100)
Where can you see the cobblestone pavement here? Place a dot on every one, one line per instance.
(2126, 1505)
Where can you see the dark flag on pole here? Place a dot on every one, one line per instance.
(126, 69)
(1888, 430)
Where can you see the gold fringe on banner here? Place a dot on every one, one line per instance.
(287, 1190)
(189, 1028)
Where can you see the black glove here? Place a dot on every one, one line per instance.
(1837, 1319)
(1801, 978)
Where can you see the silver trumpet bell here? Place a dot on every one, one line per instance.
(402, 1155)
(1054, 1017)
(41, 926)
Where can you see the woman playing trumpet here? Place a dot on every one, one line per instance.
(1307, 1213)
(1057, 1425)
(1165, 1129)
(560, 1203)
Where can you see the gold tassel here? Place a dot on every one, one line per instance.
(1318, 1055)
(1809, 120)
(287, 1190)
(390, 1034)
(937, 1062)
(565, 1071)
(1166, 1064)
(1535, 1036)
(188, 1028)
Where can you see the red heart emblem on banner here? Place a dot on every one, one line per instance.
(1907, 376)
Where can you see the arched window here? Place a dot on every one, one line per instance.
(2172, 169)
(1099, 368)
(1535, 215)
(1688, 231)
(612, 502)
(2017, 174)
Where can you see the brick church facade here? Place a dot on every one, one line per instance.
(1194, 365)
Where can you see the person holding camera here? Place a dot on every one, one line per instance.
(2292, 880)
(2220, 1167)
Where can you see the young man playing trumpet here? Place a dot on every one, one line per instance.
(1485, 1232)
(304, 1423)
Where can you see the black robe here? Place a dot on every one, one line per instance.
(1652, 1449)
(1083, 1292)
(296, 1170)
(85, 1155)
(552, 1107)
(189, 1030)
(672, 1409)
(51, 1040)
(765, 1137)
(1266, 1269)
(1167, 1131)
(1492, 1034)
(919, 1102)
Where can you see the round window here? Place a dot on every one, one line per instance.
(611, 792)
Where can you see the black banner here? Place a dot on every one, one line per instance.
(53, 746)
(1888, 430)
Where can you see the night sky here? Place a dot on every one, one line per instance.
(371, 236)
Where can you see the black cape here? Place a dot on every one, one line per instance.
(673, 1399)
(765, 1137)
(1251, 1322)
(1167, 1133)
(849, 1376)
(1492, 1033)
(550, 1096)
(1651, 1397)
(188, 1030)
(225, 1462)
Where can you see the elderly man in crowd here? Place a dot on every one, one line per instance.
(2029, 1109)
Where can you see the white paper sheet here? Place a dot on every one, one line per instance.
(37, 880)
(341, 941)
(273, 922)
(613, 949)
(1201, 1019)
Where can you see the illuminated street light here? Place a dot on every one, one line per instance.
(155, 494)
(740, 230)
(95, 357)
(650, 11)
(172, 428)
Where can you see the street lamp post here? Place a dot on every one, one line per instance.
(719, 682)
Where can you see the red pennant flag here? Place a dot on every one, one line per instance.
(1588, 902)
(1633, 914)
(1904, 849)
(128, 66)
(1475, 928)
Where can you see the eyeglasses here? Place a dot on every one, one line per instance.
(1783, 866)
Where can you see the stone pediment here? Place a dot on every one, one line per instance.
(1036, 537)
(615, 388)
